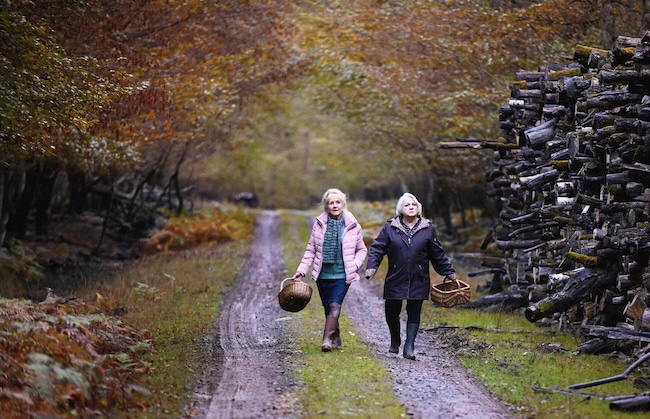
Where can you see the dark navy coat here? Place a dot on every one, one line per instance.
(408, 261)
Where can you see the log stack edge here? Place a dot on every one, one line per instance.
(572, 179)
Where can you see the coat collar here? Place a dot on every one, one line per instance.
(348, 217)
(424, 223)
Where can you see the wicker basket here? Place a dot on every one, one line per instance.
(295, 296)
(450, 293)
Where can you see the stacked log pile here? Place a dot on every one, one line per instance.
(572, 177)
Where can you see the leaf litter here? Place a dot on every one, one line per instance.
(68, 359)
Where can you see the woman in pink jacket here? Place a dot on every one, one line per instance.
(337, 252)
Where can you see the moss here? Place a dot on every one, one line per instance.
(584, 259)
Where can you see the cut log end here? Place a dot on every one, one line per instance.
(533, 314)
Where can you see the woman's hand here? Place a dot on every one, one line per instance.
(297, 277)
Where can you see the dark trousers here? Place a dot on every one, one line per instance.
(413, 310)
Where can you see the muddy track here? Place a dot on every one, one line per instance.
(249, 355)
(245, 368)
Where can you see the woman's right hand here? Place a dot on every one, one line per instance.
(297, 277)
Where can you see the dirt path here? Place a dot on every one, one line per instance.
(249, 352)
(244, 374)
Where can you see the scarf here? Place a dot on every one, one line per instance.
(332, 242)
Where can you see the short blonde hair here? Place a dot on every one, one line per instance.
(400, 203)
(331, 192)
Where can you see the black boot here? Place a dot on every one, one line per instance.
(395, 339)
(409, 345)
(392, 310)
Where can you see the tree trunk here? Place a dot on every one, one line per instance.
(77, 185)
(4, 214)
(616, 333)
(109, 210)
(533, 227)
(444, 203)
(43, 200)
(535, 182)
(597, 346)
(517, 244)
(460, 206)
(637, 403)
(612, 99)
(645, 18)
(608, 24)
(17, 223)
(503, 301)
(583, 282)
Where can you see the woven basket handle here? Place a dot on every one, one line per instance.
(283, 281)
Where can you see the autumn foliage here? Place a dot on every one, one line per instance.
(68, 359)
(104, 100)
(209, 227)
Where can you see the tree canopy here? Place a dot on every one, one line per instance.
(312, 94)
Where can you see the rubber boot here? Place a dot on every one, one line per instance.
(330, 328)
(395, 339)
(336, 339)
(409, 345)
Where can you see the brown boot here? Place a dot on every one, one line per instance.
(328, 333)
(336, 339)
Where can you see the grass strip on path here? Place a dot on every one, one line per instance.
(345, 382)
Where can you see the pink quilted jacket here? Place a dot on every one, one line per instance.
(354, 249)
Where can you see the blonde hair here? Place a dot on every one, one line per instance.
(400, 203)
(331, 192)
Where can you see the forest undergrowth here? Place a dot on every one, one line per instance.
(126, 340)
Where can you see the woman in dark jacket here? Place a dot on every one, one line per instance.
(410, 242)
